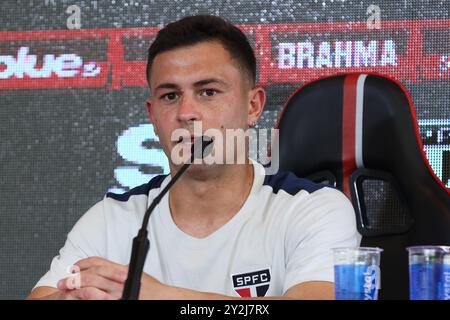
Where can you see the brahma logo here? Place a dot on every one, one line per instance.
(63, 66)
(337, 54)
(252, 284)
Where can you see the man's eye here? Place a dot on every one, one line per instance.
(209, 92)
(169, 96)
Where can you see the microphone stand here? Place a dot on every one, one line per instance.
(141, 244)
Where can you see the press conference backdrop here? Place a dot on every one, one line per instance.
(72, 95)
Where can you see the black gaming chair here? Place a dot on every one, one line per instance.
(359, 133)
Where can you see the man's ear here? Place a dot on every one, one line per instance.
(150, 114)
(257, 98)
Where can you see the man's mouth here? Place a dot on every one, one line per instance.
(188, 140)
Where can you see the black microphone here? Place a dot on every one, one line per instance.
(201, 147)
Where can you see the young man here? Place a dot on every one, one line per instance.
(224, 230)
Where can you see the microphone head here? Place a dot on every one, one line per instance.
(201, 147)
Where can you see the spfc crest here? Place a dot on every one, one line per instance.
(252, 284)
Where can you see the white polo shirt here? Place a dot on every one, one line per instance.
(282, 236)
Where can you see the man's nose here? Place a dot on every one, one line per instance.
(188, 110)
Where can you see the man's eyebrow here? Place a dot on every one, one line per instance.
(167, 86)
(208, 81)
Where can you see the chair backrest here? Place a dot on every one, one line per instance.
(359, 133)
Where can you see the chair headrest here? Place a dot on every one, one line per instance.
(333, 128)
(351, 121)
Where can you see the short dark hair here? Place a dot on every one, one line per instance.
(196, 29)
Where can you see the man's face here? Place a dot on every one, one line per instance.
(198, 83)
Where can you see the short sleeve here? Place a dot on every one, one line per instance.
(323, 221)
(86, 239)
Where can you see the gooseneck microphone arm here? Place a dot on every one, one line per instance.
(141, 244)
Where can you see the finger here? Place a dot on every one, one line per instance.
(108, 279)
(90, 293)
(117, 273)
(91, 262)
(97, 281)
(72, 282)
(97, 262)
